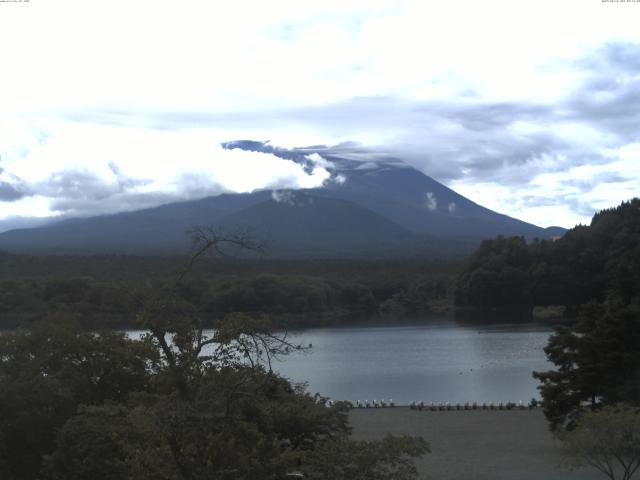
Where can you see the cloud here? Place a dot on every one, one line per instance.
(82, 170)
(399, 78)
(283, 196)
(609, 97)
(9, 193)
(291, 198)
(340, 179)
(430, 202)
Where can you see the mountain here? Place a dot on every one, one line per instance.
(158, 229)
(401, 193)
(379, 206)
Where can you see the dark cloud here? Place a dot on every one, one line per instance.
(609, 98)
(76, 185)
(78, 193)
(586, 185)
(9, 193)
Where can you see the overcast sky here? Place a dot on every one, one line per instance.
(530, 108)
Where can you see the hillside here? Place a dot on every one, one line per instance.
(592, 262)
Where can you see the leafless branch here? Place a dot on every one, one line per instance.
(204, 239)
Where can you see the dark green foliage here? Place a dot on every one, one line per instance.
(587, 263)
(101, 291)
(597, 360)
(496, 275)
(184, 417)
(274, 294)
(343, 459)
(179, 404)
(46, 372)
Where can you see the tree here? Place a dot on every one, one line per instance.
(46, 372)
(608, 440)
(597, 360)
(213, 407)
(343, 459)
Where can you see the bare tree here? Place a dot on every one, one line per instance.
(177, 328)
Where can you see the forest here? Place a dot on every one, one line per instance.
(100, 291)
(79, 399)
(179, 403)
(589, 263)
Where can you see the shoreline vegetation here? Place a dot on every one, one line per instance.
(82, 390)
(100, 291)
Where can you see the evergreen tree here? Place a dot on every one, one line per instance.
(597, 360)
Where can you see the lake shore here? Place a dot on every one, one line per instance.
(474, 444)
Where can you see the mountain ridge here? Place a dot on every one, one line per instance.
(365, 207)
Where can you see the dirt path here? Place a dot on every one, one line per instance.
(474, 445)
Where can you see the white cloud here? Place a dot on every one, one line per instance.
(248, 62)
(340, 179)
(87, 169)
(565, 197)
(254, 55)
(35, 206)
(430, 201)
(319, 161)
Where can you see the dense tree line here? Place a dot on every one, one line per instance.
(597, 358)
(176, 404)
(100, 291)
(587, 263)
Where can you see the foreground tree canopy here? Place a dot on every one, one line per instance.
(174, 404)
(597, 363)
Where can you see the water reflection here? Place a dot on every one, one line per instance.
(437, 362)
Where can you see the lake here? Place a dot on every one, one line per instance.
(440, 361)
(436, 361)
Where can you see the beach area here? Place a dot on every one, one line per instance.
(474, 444)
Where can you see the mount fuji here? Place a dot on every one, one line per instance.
(379, 206)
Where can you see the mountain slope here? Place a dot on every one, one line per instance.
(401, 193)
(366, 207)
(159, 228)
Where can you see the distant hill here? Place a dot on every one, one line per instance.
(587, 263)
(367, 207)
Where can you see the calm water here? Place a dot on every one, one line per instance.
(438, 362)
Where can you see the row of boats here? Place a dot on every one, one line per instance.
(533, 404)
(474, 406)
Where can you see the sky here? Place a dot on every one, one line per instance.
(530, 108)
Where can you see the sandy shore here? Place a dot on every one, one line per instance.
(474, 445)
